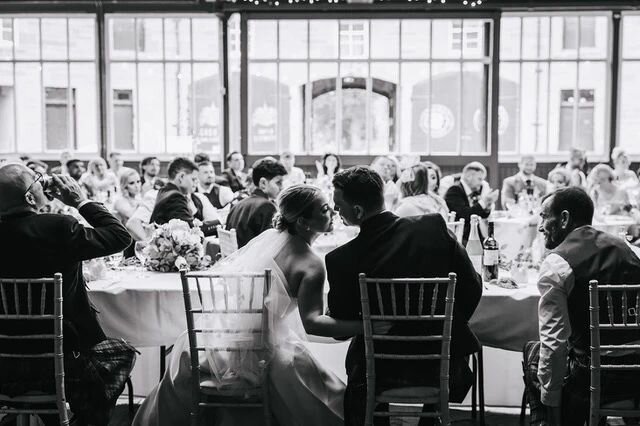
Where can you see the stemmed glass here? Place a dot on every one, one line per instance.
(139, 250)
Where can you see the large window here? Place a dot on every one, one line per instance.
(554, 84)
(629, 106)
(165, 84)
(368, 86)
(48, 91)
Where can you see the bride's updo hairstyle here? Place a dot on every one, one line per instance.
(293, 203)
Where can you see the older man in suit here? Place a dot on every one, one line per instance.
(524, 183)
(471, 196)
(40, 245)
(393, 247)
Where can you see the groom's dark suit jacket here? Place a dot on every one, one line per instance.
(393, 247)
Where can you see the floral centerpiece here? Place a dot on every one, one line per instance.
(175, 245)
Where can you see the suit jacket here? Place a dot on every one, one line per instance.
(393, 247)
(513, 186)
(39, 245)
(251, 216)
(171, 203)
(230, 179)
(458, 202)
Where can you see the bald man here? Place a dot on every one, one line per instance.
(34, 245)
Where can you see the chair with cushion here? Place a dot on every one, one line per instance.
(623, 315)
(228, 241)
(226, 318)
(399, 300)
(457, 228)
(35, 301)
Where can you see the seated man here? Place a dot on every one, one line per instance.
(253, 215)
(392, 247)
(233, 176)
(557, 367)
(149, 171)
(471, 196)
(176, 201)
(218, 195)
(525, 182)
(37, 246)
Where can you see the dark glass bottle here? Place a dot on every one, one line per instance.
(491, 256)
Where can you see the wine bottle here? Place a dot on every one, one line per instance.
(474, 246)
(491, 257)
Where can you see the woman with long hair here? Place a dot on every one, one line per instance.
(418, 187)
(129, 197)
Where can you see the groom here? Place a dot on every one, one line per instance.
(393, 247)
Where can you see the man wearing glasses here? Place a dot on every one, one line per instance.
(39, 245)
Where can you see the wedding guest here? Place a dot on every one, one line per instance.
(253, 215)
(129, 197)
(218, 195)
(149, 170)
(175, 200)
(61, 169)
(524, 183)
(295, 175)
(233, 176)
(578, 166)
(100, 182)
(139, 225)
(42, 245)
(201, 157)
(115, 162)
(388, 170)
(470, 196)
(75, 168)
(392, 247)
(327, 168)
(557, 368)
(558, 178)
(608, 198)
(417, 185)
(434, 186)
(625, 178)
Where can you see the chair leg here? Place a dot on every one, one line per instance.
(523, 407)
(474, 386)
(481, 385)
(130, 392)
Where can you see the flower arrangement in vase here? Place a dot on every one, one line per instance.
(175, 246)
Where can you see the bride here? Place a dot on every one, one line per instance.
(302, 392)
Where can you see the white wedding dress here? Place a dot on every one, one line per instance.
(302, 392)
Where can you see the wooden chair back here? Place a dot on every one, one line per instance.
(457, 228)
(212, 302)
(408, 299)
(622, 315)
(228, 241)
(34, 301)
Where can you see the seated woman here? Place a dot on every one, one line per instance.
(558, 178)
(607, 197)
(99, 181)
(418, 187)
(129, 198)
(302, 391)
(624, 177)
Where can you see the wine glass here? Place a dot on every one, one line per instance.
(114, 261)
(139, 249)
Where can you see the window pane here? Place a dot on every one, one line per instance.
(263, 112)
(382, 116)
(83, 80)
(416, 36)
(150, 117)
(294, 78)
(6, 38)
(29, 107)
(562, 106)
(149, 38)
(82, 38)
(510, 33)
(509, 107)
(473, 115)
(54, 38)
(385, 39)
(594, 37)
(323, 42)
(534, 107)
(263, 39)
(447, 38)
(177, 38)
(59, 106)
(178, 97)
(414, 104)
(535, 37)
(630, 39)
(354, 107)
(444, 124)
(122, 38)
(123, 107)
(208, 125)
(293, 39)
(205, 38)
(324, 107)
(28, 38)
(592, 106)
(630, 106)
(473, 38)
(7, 118)
(354, 39)
(564, 35)
(234, 83)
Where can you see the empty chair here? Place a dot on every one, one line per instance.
(228, 241)
(226, 319)
(38, 301)
(408, 302)
(622, 317)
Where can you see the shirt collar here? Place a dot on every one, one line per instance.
(467, 188)
(259, 193)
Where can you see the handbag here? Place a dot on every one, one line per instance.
(97, 377)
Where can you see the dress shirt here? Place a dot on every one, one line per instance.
(555, 283)
(470, 193)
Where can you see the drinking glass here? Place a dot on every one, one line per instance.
(139, 249)
(114, 261)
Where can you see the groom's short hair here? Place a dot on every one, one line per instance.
(361, 185)
(181, 164)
